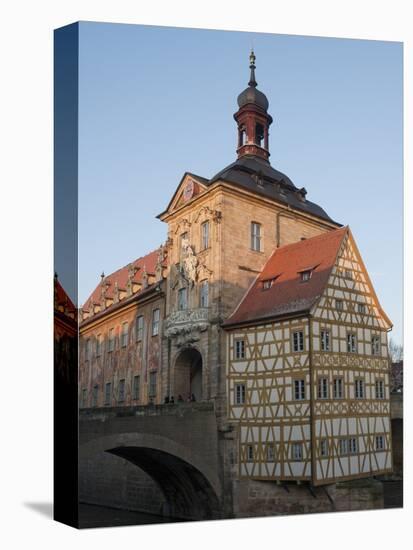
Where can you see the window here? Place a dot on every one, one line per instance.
(87, 350)
(98, 345)
(351, 343)
(298, 340)
(184, 238)
(299, 390)
(125, 332)
(255, 236)
(259, 134)
(111, 346)
(379, 443)
(95, 396)
(121, 390)
(306, 275)
(361, 308)
(204, 235)
(270, 453)
(352, 445)
(379, 389)
(375, 345)
(343, 446)
(338, 392)
(359, 388)
(136, 387)
(250, 453)
(182, 298)
(155, 322)
(348, 274)
(152, 384)
(108, 392)
(297, 451)
(84, 397)
(323, 447)
(325, 340)
(322, 388)
(266, 285)
(204, 291)
(139, 328)
(339, 305)
(239, 394)
(239, 348)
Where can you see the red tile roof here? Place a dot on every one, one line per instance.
(121, 278)
(62, 299)
(288, 294)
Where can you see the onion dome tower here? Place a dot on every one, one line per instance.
(252, 119)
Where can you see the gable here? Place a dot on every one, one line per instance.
(349, 282)
(189, 187)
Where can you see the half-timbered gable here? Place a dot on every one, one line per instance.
(307, 376)
(351, 421)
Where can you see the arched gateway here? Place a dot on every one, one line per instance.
(188, 374)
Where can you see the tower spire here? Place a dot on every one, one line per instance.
(252, 119)
(252, 81)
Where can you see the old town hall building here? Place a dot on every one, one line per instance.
(260, 303)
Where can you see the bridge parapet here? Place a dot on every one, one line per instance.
(176, 409)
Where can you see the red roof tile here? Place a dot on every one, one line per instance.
(61, 298)
(121, 278)
(288, 293)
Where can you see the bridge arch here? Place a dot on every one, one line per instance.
(190, 487)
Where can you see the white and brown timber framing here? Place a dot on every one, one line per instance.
(272, 416)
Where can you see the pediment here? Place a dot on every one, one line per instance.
(189, 187)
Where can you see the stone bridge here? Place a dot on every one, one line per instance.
(176, 446)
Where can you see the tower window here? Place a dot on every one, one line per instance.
(242, 135)
(205, 235)
(182, 298)
(256, 236)
(259, 134)
(204, 291)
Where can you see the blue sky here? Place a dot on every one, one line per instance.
(155, 102)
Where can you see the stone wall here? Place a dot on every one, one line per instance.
(265, 498)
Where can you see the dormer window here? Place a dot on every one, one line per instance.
(306, 275)
(267, 284)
